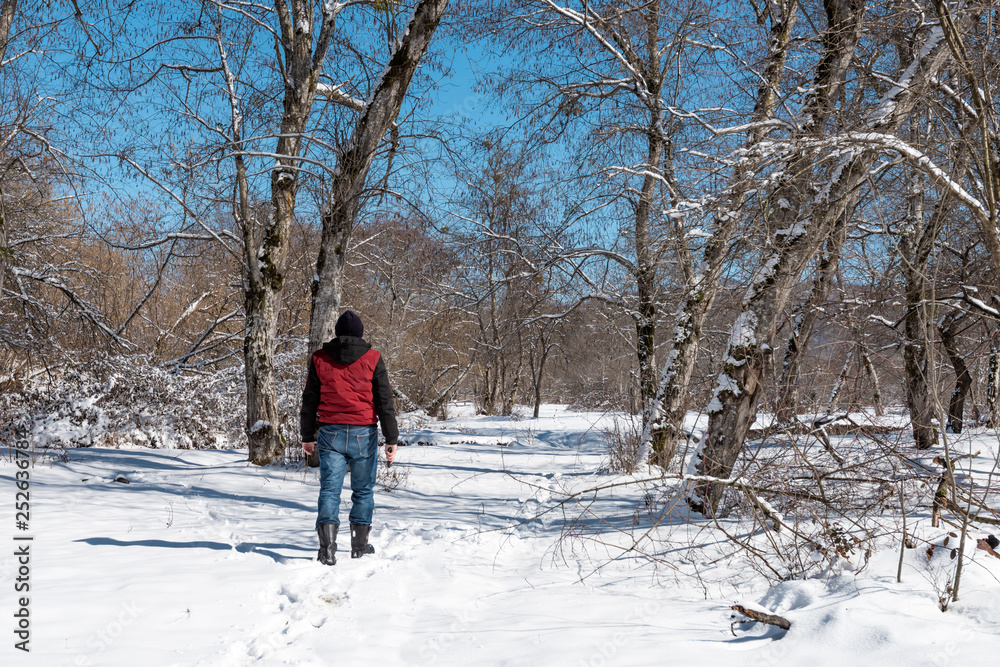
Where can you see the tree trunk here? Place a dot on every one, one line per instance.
(646, 256)
(866, 359)
(538, 394)
(510, 395)
(661, 433)
(263, 302)
(963, 377)
(804, 323)
(993, 383)
(838, 386)
(915, 246)
(266, 265)
(963, 383)
(918, 393)
(355, 162)
(263, 421)
(4, 248)
(538, 372)
(646, 277)
(7, 10)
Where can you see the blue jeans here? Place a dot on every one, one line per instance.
(339, 446)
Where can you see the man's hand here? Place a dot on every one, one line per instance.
(390, 454)
(308, 448)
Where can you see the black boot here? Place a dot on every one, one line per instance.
(359, 541)
(327, 543)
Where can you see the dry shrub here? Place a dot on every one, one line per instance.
(622, 440)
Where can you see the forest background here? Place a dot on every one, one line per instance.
(732, 208)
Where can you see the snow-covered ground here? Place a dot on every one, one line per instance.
(202, 559)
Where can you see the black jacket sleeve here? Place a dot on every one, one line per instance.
(310, 404)
(385, 406)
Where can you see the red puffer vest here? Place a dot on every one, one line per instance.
(346, 389)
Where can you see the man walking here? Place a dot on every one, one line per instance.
(347, 389)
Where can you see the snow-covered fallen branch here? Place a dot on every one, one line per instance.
(761, 617)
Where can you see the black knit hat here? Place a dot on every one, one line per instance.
(349, 324)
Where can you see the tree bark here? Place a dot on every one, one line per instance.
(963, 376)
(7, 10)
(513, 385)
(866, 359)
(838, 386)
(646, 277)
(993, 382)
(805, 321)
(355, 162)
(917, 334)
(763, 617)
(4, 248)
(916, 243)
(538, 371)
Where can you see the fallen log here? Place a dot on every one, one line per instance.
(762, 617)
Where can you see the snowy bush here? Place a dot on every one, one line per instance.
(130, 401)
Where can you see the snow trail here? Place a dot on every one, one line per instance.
(202, 559)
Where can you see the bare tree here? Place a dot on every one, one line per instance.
(499, 217)
(797, 221)
(355, 160)
(734, 404)
(395, 267)
(670, 406)
(305, 42)
(614, 84)
(228, 51)
(538, 355)
(50, 269)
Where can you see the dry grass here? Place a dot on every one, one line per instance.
(622, 440)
